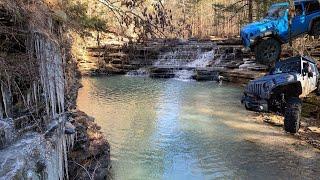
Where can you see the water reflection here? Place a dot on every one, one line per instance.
(168, 129)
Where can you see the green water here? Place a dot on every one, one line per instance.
(170, 129)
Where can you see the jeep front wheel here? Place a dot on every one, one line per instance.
(315, 31)
(268, 51)
(292, 115)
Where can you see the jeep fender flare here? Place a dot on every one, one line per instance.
(266, 35)
(289, 90)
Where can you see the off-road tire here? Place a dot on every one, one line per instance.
(292, 115)
(315, 29)
(267, 51)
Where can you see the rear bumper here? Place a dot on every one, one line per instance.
(255, 104)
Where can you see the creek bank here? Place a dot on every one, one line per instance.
(310, 122)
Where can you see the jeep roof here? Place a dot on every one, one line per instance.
(304, 0)
(298, 58)
(295, 1)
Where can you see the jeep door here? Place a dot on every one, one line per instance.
(314, 78)
(311, 7)
(299, 23)
(308, 82)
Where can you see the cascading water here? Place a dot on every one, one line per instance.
(202, 60)
(168, 59)
(181, 60)
(184, 59)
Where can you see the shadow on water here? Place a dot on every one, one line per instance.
(169, 129)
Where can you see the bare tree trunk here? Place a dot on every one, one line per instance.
(250, 4)
(291, 12)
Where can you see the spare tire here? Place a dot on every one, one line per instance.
(292, 115)
(268, 51)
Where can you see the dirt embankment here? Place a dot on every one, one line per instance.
(310, 124)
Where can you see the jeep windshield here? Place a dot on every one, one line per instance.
(287, 67)
(276, 11)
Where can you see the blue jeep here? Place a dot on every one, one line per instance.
(266, 36)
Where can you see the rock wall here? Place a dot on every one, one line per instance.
(38, 90)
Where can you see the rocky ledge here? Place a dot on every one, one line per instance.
(90, 157)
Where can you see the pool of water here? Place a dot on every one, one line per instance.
(170, 129)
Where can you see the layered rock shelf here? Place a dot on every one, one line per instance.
(164, 59)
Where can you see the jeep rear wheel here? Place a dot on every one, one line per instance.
(315, 31)
(268, 51)
(292, 115)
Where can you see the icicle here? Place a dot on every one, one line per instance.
(29, 98)
(35, 95)
(6, 97)
(52, 81)
(1, 107)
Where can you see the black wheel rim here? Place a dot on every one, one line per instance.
(269, 52)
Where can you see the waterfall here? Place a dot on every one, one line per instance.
(168, 59)
(180, 61)
(178, 56)
(203, 60)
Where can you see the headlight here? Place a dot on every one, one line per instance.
(268, 86)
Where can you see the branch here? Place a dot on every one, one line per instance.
(122, 13)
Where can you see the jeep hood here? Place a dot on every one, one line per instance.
(278, 79)
(259, 25)
(255, 29)
(257, 87)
